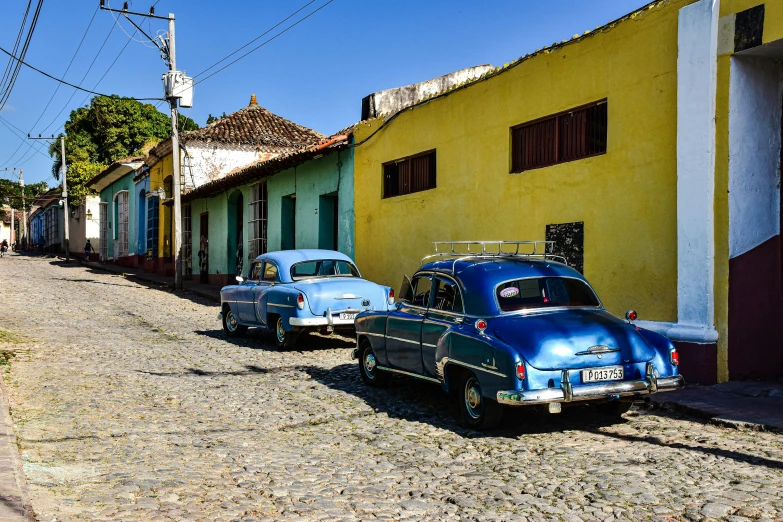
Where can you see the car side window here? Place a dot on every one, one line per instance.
(422, 287)
(448, 297)
(255, 271)
(270, 272)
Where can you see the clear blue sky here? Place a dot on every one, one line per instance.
(315, 74)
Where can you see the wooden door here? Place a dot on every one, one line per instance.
(203, 252)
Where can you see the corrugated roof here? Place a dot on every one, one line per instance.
(266, 168)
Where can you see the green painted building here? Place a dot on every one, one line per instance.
(302, 199)
(118, 211)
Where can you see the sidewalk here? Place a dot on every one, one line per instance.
(740, 404)
(14, 499)
(207, 291)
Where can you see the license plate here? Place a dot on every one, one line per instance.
(606, 373)
(347, 317)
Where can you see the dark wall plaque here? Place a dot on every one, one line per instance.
(569, 239)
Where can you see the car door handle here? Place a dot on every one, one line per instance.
(421, 312)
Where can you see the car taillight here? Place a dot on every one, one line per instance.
(391, 296)
(520, 370)
(300, 302)
(481, 325)
(674, 357)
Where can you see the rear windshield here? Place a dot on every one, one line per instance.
(323, 268)
(544, 292)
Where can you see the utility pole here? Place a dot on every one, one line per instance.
(24, 207)
(65, 204)
(64, 198)
(175, 157)
(173, 82)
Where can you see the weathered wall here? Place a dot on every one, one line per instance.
(326, 175)
(308, 181)
(209, 161)
(627, 198)
(392, 100)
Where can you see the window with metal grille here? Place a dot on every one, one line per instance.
(568, 136)
(256, 244)
(409, 175)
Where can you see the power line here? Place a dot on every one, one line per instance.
(9, 86)
(63, 81)
(265, 42)
(256, 38)
(57, 89)
(9, 126)
(9, 65)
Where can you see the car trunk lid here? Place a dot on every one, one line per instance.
(342, 293)
(572, 339)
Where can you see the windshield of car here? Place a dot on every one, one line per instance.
(544, 292)
(323, 268)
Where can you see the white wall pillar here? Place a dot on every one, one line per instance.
(697, 44)
(697, 53)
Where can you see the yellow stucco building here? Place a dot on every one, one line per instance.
(608, 143)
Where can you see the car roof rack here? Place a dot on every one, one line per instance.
(461, 250)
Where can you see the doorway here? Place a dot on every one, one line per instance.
(235, 234)
(755, 334)
(288, 223)
(203, 250)
(327, 221)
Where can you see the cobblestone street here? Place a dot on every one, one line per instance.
(129, 403)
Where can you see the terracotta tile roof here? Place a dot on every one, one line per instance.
(255, 125)
(266, 168)
(18, 215)
(252, 126)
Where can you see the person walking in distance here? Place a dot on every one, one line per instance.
(3, 247)
(88, 248)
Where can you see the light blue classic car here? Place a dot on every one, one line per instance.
(290, 291)
(500, 328)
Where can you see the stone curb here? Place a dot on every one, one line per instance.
(142, 277)
(711, 418)
(21, 483)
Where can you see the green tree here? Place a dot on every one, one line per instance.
(109, 129)
(212, 119)
(11, 194)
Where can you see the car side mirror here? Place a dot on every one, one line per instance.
(240, 280)
(406, 290)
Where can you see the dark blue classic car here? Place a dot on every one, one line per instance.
(509, 329)
(291, 291)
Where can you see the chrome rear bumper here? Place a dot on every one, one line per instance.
(601, 391)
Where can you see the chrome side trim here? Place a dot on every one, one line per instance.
(446, 360)
(371, 334)
(429, 345)
(280, 305)
(245, 302)
(602, 391)
(402, 340)
(410, 374)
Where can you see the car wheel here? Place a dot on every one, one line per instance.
(231, 326)
(368, 367)
(614, 408)
(478, 412)
(283, 338)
